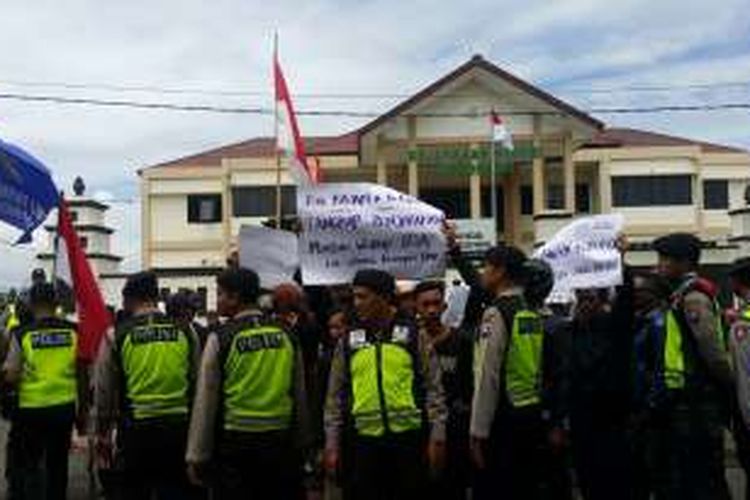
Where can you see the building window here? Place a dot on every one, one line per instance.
(456, 203)
(527, 200)
(660, 190)
(84, 242)
(204, 208)
(73, 216)
(716, 195)
(260, 201)
(583, 199)
(555, 197)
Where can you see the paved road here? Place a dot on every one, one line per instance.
(79, 478)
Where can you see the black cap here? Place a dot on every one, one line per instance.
(376, 280)
(680, 246)
(141, 286)
(740, 266)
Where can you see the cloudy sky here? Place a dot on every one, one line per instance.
(594, 53)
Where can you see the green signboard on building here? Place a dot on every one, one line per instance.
(462, 159)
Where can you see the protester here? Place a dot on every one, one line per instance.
(697, 376)
(599, 389)
(453, 349)
(249, 419)
(384, 380)
(182, 308)
(41, 366)
(144, 387)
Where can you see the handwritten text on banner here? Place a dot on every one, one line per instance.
(584, 254)
(347, 227)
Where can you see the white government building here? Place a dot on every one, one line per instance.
(435, 145)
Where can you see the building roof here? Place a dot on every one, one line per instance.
(628, 137)
(480, 62)
(263, 147)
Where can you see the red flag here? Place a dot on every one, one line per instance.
(73, 266)
(289, 140)
(500, 132)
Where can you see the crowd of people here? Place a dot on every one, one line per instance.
(364, 391)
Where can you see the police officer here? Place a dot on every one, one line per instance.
(41, 365)
(697, 376)
(739, 346)
(249, 417)
(144, 385)
(384, 381)
(508, 435)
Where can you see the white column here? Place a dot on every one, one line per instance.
(475, 195)
(605, 186)
(569, 174)
(381, 167)
(413, 173)
(539, 188)
(146, 236)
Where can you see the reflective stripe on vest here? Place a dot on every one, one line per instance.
(12, 320)
(49, 371)
(258, 381)
(382, 381)
(674, 357)
(156, 364)
(523, 366)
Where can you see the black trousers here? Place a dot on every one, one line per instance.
(688, 443)
(453, 481)
(258, 466)
(38, 453)
(391, 467)
(519, 461)
(153, 460)
(602, 456)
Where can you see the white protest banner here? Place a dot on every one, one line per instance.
(353, 226)
(476, 236)
(584, 254)
(271, 253)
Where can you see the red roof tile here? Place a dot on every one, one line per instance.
(263, 147)
(628, 137)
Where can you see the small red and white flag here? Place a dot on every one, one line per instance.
(72, 267)
(288, 137)
(500, 132)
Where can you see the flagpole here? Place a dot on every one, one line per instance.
(493, 172)
(277, 156)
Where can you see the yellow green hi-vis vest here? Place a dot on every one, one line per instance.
(382, 374)
(258, 376)
(524, 360)
(49, 364)
(156, 357)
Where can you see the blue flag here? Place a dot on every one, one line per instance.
(27, 192)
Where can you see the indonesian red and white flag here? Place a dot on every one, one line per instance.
(72, 266)
(500, 132)
(288, 137)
